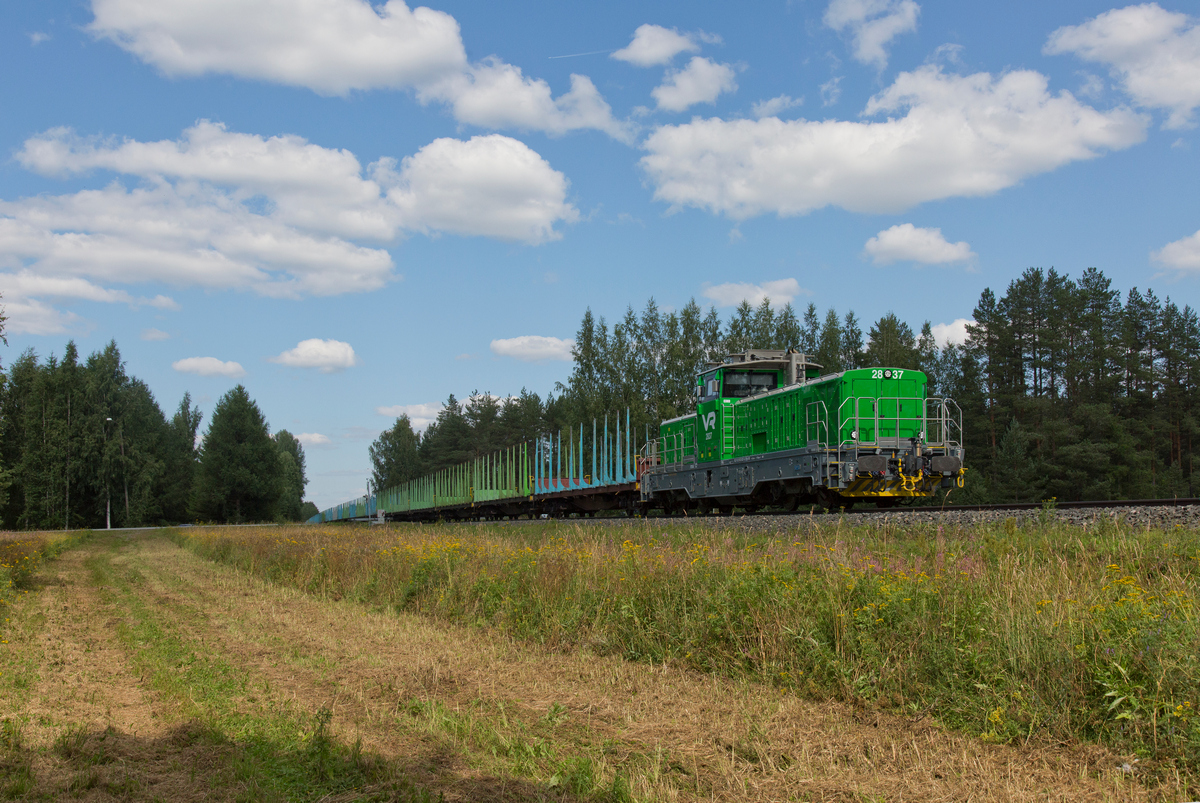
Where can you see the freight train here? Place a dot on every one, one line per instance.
(768, 429)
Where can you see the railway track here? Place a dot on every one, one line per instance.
(1183, 512)
(1050, 505)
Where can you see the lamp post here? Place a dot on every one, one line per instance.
(107, 492)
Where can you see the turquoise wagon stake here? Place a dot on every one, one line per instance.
(770, 430)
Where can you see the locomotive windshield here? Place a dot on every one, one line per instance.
(740, 384)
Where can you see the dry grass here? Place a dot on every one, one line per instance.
(1010, 633)
(153, 674)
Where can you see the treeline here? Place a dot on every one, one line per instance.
(83, 444)
(1067, 389)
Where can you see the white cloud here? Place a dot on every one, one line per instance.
(654, 44)
(329, 46)
(1183, 255)
(329, 356)
(493, 186)
(494, 94)
(37, 37)
(831, 91)
(209, 366)
(955, 332)
(907, 243)
(959, 136)
(33, 317)
(420, 415)
(534, 348)
(780, 291)
(276, 215)
(334, 47)
(1153, 53)
(154, 335)
(772, 107)
(26, 284)
(702, 81)
(872, 24)
(311, 439)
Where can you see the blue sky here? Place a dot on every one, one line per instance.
(355, 210)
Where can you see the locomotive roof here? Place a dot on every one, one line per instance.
(765, 359)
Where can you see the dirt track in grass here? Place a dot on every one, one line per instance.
(464, 712)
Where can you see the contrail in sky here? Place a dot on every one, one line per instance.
(573, 55)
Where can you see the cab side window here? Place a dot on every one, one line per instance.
(710, 387)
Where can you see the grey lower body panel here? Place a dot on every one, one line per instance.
(800, 472)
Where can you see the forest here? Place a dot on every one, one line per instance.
(85, 445)
(1069, 389)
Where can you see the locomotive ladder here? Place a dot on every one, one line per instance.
(727, 432)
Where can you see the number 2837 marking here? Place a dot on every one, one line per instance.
(885, 373)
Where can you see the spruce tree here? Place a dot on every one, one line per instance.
(180, 457)
(5, 474)
(238, 477)
(293, 476)
(394, 455)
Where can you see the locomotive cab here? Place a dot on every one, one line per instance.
(722, 385)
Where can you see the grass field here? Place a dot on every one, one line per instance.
(1005, 632)
(621, 662)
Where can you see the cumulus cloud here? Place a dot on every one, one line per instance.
(27, 284)
(328, 356)
(494, 94)
(907, 243)
(872, 24)
(311, 439)
(275, 215)
(1183, 254)
(493, 186)
(730, 294)
(330, 46)
(654, 44)
(334, 47)
(946, 136)
(702, 81)
(209, 366)
(153, 335)
(1153, 53)
(28, 313)
(420, 415)
(534, 348)
(33, 317)
(954, 332)
(772, 107)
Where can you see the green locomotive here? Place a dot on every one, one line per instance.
(770, 429)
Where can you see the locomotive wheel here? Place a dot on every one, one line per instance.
(833, 501)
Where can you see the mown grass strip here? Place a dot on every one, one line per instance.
(282, 754)
(552, 752)
(1001, 630)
